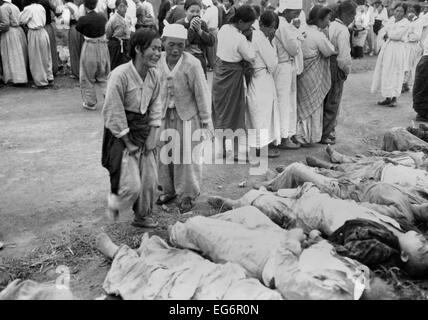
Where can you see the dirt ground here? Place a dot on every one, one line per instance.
(53, 188)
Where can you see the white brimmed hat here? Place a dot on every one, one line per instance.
(290, 4)
(175, 31)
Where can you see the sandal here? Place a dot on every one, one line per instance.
(273, 153)
(186, 205)
(165, 198)
(145, 222)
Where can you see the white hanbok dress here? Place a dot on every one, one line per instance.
(262, 113)
(392, 62)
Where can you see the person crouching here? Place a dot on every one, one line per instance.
(186, 108)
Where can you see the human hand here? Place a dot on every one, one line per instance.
(196, 24)
(296, 22)
(132, 148)
(150, 144)
(3, 27)
(208, 130)
(248, 34)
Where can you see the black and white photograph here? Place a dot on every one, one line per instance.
(229, 151)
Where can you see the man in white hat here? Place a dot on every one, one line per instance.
(187, 108)
(288, 48)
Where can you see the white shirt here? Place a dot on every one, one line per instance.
(131, 15)
(211, 17)
(233, 46)
(34, 16)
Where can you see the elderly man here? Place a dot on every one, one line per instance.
(186, 109)
(306, 207)
(288, 49)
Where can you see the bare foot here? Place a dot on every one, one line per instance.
(104, 244)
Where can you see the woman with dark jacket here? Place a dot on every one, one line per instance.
(198, 36)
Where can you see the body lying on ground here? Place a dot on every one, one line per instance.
(308, 208)
(275, 256)
(158, 271)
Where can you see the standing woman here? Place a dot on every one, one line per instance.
(314, 82)
(359, 33)
(392, 61)
(50, 29)
(414, 47)
(118, 34)
(39, 48)
(13, 45)
(75, 39)
(229, 90)
(199, 38)
(340, 67)
(263, 113)
(132, 115)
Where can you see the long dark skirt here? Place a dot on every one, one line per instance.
(118, 54)
(50, 29)
(75, 44)
(228, 95)
(201, 58)
(420, 88)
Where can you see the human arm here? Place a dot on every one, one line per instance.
(325, 46)
(415, 32)
(5, 19)
(155, 116)
(344, 59)
(109, 28)
(25, 16)
(199, 85)
(289, 40)
(206, 37)
(246, 50)
(267, 53)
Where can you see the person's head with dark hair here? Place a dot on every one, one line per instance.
(319, 16)
(400, 11)
(193, 9)
(228, 4)
(145, 47)
(244, 17)
(90, 4)
(413, 12)
(346, 11)
(121, 7)
(268, 24)
(257, 10)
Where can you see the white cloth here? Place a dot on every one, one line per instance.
(288, 50)
(392, 60)
(175, 31)
(262, 112)
(34, 16)
(131, 14)
(211, 17)
(290, 4)
(233, 46)
(405, 176)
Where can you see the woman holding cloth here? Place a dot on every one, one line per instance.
(314, 82)
(132, 115)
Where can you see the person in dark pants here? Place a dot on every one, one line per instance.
(340, 66)
(50, 29)
(420, 87)
(199, 38)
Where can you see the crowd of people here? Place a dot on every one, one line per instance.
(275, 72)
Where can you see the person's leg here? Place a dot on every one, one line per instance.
(106, 246)
(88, 69)
(337, 157)
(50, 28)
(143, 206)
(332, 103)
(38, 48)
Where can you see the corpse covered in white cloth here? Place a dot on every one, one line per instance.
(308, 208)
(157, 271)
(246, 237)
